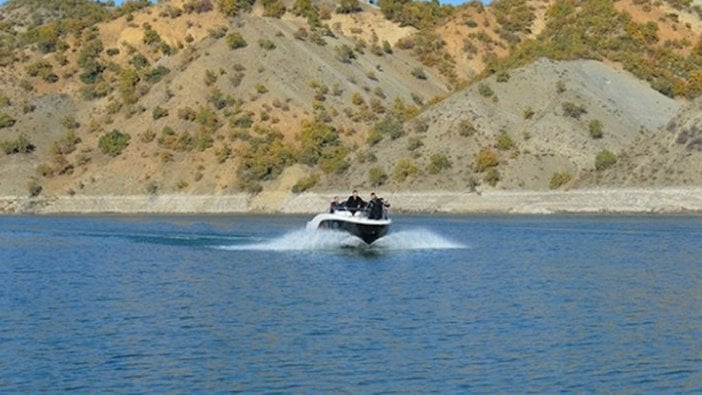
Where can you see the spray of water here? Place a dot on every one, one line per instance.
(322, 239)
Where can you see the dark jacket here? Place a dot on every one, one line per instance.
(355, 203)
(375, 209)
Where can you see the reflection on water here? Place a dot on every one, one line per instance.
(442, 304)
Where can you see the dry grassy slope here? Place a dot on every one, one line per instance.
(546, 143)
(671, 157)
(286, 72)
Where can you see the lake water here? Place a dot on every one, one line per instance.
(448, 304)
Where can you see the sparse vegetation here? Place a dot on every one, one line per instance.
(306, 183)
(403, 169)
(604, 160)
(485, 159)
(266, 44)
(113, 143)
(235, 40)
(492, 176)
(573, 110)
(6, 121)
(504, 141)
(559, 179)
(66, 144)
(376, 176)
(596, 129)
(438, 163)
(21, 145)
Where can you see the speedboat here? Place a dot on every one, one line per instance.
(357, 224)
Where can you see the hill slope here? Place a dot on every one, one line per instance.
(182, 96)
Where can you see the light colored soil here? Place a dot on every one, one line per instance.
(593, 201)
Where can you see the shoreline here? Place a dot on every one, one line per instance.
(578, 201)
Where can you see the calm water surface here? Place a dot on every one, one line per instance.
(444, 304)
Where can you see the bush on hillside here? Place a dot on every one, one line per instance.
(6, 121)
(485, 159)
(235, 40)
(306, 183)
(604, 160)
(438, 163)
(66, 144)
(492, 176)
(21, 145)
(596, 129)
(573, 110)
(403, 169)
(113, 143)
(559, 179)
(376, 176)
(504, 141)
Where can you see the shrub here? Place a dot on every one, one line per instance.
(504, 142)
(223, 153)
(34, 188)
(266, 44)
(466, 128)
(306, 183)
(159, 112)
(344, 53)
(528, 113)
(596, 129)
(492, 176)
(113, 143)
(502, 76)
(155, 75)
(559, 179)
(413, 143)
(485, 159)
(261, 89)
(604, 160)
(485, 90)
(66, 144)
(6, 121)
(151, 37)
(573, 110)
(235, 40)
(20, 146)
(438, 163)
(391, 126)
(348, 7)
(376, 176)
(404, 168)
(274, 8)
(419, 73)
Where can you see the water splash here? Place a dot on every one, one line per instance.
(418, 239)
(323, 239)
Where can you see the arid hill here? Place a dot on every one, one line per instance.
(215, 97)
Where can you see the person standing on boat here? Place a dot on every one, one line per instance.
(375, 207)
(354, 202)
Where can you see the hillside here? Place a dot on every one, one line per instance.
(217, 97)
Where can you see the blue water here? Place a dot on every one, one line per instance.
(444, 304)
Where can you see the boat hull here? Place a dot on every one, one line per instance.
(368, 230)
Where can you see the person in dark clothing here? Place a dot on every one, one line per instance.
(355, 203)
(375, 207)
(335, 205)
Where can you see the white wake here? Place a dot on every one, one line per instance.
(323, 239)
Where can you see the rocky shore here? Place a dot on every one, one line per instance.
(622, 201)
